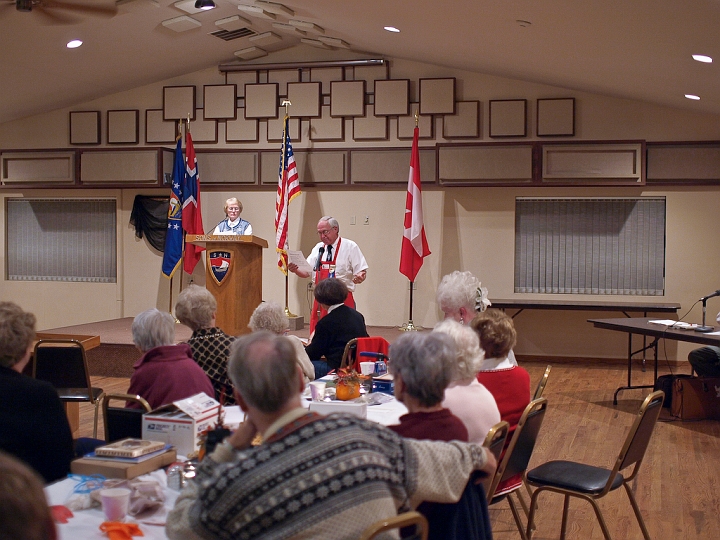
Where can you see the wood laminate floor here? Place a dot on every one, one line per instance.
(678, 488)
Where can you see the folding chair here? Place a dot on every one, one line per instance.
(543, 382)
(517, 457)
(591, 483)
(364, 349)
(62, 363)
(121, 422)
(405, 519)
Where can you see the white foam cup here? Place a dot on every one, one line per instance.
(367, 368)
(317, 390)
(115, 502)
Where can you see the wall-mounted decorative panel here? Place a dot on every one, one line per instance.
(123, 127)
(465, 123)
(282, 77)
(37, 167)
(406, 126)
(305, 99)
(204, 130)
(487, 164)
(228, 167)
(370, 74)
(370, 127)
(313, 167)
(347, 98)
(157, 130)
(178, 102)
(261, 100)
(275, 129)
(392, 98)
(119, 167)
(508, 118)
(593, 163)
(325, 76)
(327, 128)
(240, 79)
(241, 129)
(556, 117)
(683, 163)
(220, 101)
(437, 96)
(84, 127)
(389, 166)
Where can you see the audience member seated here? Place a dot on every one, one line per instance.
(461, 296)
(422, 366)
(313, 476)
(196, 308)
(465, 396)
(334, 330)
(33, 423)
(24, 513)
(165, 372)
(507, 382)
(271, 316)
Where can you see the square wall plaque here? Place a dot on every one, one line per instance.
(178, 102)
(392, 98)
(219, 101)
(437, 96)
(556, 117)
(123, 127)
(84, 127)
(347, 98)
(508, 118)
(261, 100)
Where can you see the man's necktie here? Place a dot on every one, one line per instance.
(329, 253)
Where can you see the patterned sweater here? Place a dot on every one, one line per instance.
(319, 477)
(210, 349)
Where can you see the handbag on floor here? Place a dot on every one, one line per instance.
(665, 383)
(697, 398)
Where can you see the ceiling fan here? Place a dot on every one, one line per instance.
(61, 12)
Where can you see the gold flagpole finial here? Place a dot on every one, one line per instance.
(285, 103)
(188, 122)
(417, 118)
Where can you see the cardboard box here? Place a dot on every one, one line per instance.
(181, 422)
(349, 407)
(384, 383)
(122, 469)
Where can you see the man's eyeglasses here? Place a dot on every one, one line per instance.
(324, 233)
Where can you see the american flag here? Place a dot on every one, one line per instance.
(191, 213)
(288, 189)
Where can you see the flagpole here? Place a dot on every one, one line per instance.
(286, 103)
(177, 321)
(182, 253)
(409, 326)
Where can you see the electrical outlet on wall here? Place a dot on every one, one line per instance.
(352, 220)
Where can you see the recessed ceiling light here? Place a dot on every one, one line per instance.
(391, 29)
(74, 44)
(702, 58)
(692, 96)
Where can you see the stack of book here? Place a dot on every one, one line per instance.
(126, 458)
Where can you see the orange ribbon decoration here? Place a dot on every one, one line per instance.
(120, 531)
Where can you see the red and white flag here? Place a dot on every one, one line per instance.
(191, 213)
(414, 243)
(288, 189)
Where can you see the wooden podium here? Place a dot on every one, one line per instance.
(233, 274)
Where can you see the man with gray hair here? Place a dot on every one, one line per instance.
(336, 257)
(165, 372)
(313, 476)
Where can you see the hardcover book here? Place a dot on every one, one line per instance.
(129, 448)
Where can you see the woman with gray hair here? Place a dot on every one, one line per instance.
(422, 366)
(196, 308)
(165, 372)
(465, 396)
(271, 316)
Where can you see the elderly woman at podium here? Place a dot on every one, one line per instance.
(233, 223)
(196, 308)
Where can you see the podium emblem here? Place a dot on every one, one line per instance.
(221, 263)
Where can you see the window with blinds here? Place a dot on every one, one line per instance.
(61, 240)
(590, 246)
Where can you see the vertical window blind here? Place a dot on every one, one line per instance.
(590, 246)
(61, 240)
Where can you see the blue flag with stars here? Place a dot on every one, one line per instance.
(174, 235)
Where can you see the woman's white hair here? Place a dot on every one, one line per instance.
(269, 316)
(469, 356)
(457, 290)
(153, 328)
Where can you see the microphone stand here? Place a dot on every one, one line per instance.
(704, 328)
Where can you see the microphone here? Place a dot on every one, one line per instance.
(712, 295)
(322, 250)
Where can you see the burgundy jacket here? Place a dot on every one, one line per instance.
(168, 373)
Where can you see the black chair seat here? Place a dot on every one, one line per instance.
(574, 476)
(78, 394)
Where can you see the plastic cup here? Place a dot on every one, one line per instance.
(317, 390)
(115, 502)
(367, 368)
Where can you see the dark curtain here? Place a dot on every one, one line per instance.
(150, 218)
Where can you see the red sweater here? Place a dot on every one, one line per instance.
(437, 425)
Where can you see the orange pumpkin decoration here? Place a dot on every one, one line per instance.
(347, 390)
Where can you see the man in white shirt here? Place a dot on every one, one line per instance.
(335, 257)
